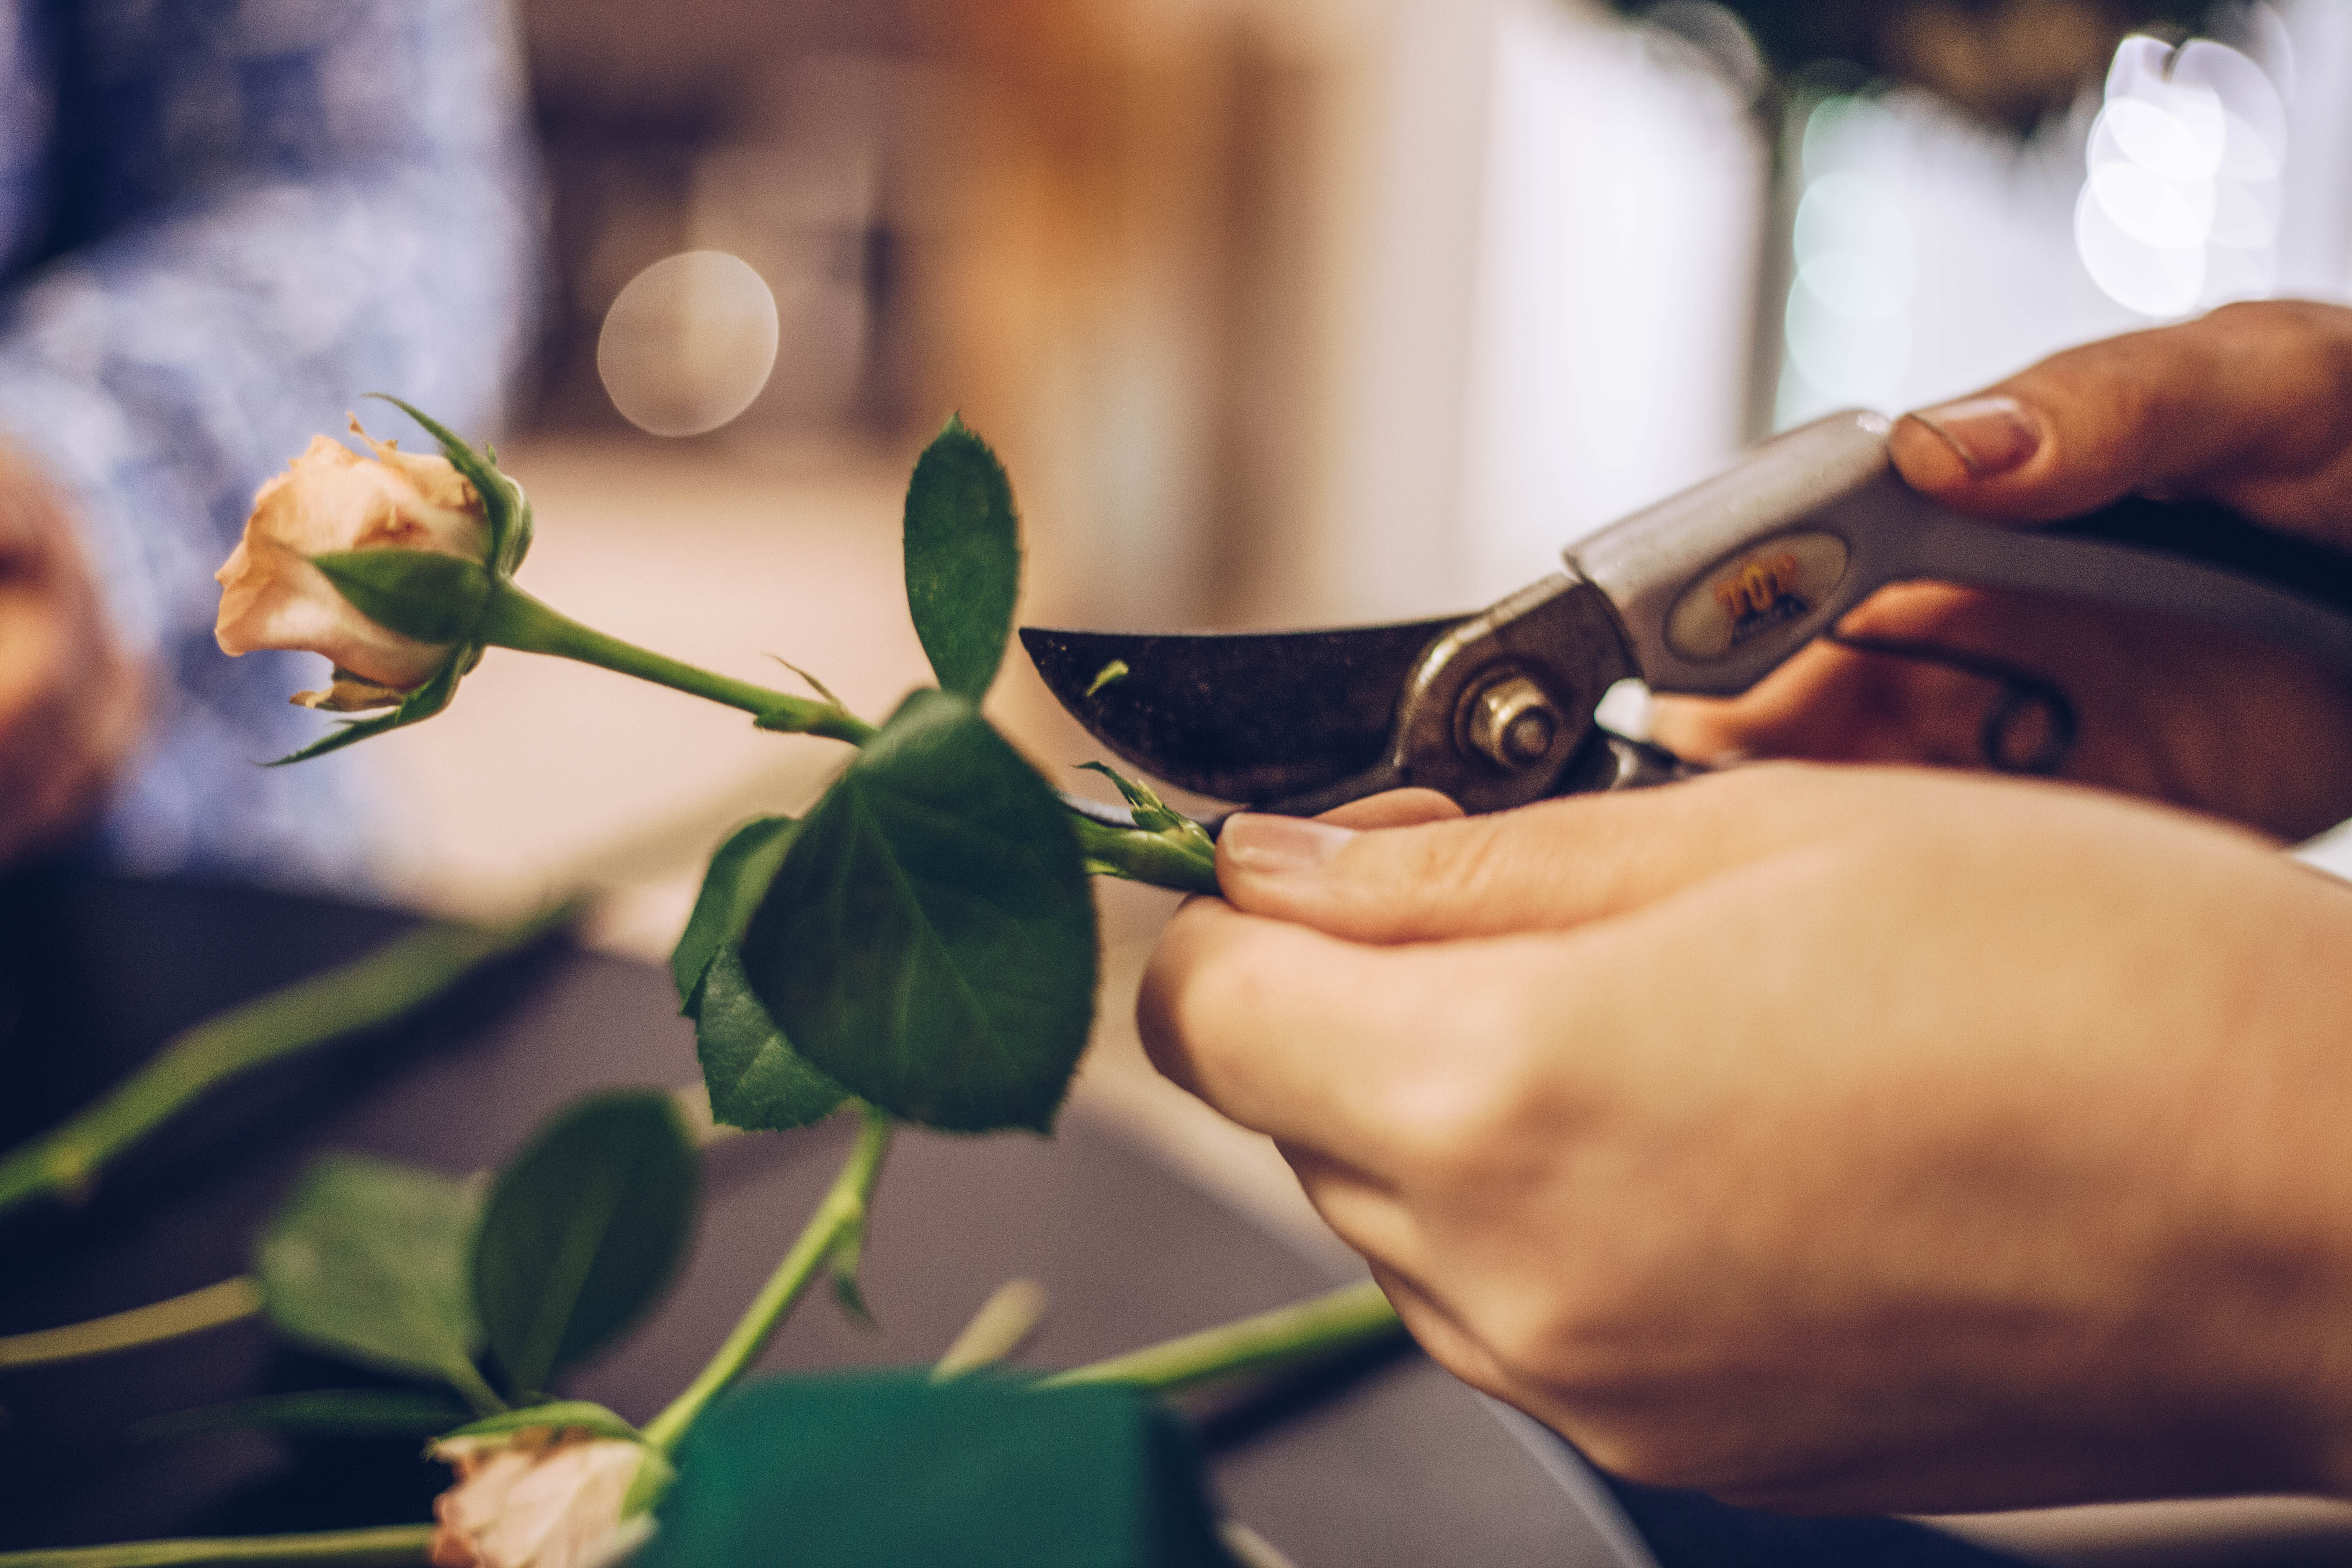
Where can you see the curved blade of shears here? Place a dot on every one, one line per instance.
(1252, 717)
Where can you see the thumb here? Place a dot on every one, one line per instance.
(2236, 405)
(1547, 867)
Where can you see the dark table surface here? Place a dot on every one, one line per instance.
(1394, 1463)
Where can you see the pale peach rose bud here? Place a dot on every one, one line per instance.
(331, 499)
(538, 1498)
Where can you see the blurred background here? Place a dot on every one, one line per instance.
(1278, 310)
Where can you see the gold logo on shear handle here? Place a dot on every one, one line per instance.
(1759, 594)
(1777, 584)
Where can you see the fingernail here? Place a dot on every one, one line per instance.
(1990, 435)
(1270, 846)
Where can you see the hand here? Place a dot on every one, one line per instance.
(1828, 1139)
(70, 700)
(2252, 407)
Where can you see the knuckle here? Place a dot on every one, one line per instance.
(1626, 1451)
(1225, 989)
(1200, 990)
(1469, 856)
(1445, 1129)
(1427, 881)
(1569, 1338)
(1468, 1121)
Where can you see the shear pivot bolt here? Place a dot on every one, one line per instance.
(1512, 722)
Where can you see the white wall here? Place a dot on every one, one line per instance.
(1614, 288)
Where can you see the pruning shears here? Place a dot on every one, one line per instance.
(1706, 593)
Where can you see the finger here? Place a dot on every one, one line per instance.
(1548, 867)
(1393, 808)
(2249, 404)
(1835, 704)
(1352, 1054)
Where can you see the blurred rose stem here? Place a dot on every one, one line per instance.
(394, 979)
(1354, 1317)
(233, 1301)
(839, 1216)
(387, 1544)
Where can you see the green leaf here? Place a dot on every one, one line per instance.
(583, 1231)
(755, 1077)
(756, 1081)
(367, 1261)
(420, 593)
(929, 942)
(739, 872)
(981, 1472)
(963, 559)
(325, 1412)
(568, 1415)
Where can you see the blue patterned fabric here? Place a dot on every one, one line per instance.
(221, 222)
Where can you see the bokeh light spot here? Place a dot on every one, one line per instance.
(2180, 203)
(689, 343)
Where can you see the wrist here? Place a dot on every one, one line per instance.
(2287, 1298)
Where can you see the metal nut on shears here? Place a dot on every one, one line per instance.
(1500, 707)
(1510, 721)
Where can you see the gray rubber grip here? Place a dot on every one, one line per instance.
(1758, 524)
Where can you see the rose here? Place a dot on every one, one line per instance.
(331, 499)
(538, 1497)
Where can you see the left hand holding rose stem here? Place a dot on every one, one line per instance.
(71, 699)
(1909, 1217)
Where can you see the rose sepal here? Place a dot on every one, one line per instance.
(561, 1414)
(504, 506)
(420, 593)
(423, 704)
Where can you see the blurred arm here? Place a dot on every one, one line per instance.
(248, 219)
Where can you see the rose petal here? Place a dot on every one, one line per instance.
(332, 499)
(531, 1503)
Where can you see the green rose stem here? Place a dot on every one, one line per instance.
(840, 1216)
(385, 1545)
(229, 1302)
(1184, 861)
(394, 979)
(514, 619)
(1172, 858)
(233, 1301)
(1352, 1317)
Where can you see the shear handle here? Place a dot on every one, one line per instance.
(1718, 586)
